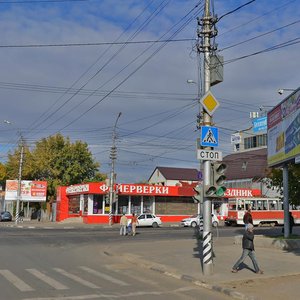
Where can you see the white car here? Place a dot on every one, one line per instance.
(194, 221)
(148, 220)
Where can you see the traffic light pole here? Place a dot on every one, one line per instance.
(207, 227)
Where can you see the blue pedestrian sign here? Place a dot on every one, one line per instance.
(209, 136)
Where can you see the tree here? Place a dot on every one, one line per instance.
(56, 160)
(2, 174)
(276, 179)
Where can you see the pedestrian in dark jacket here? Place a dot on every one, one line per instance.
(247, 219)
(248, 250)
(292, 222)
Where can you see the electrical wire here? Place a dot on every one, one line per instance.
(97, 43)
(236, 9)
(260, 35)
(131, 73)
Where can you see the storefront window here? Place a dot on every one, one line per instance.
(85, 203)
(98, 204)
(123, 204)
(136, 204)
(74, 204)
(148, 204)
(175, 206)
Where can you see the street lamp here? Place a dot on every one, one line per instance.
(281, 91)
(113, 157)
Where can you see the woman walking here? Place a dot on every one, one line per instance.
(134, 222)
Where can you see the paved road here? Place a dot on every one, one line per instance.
(70, 264)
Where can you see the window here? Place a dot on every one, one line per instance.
(74, 205)
(262, 204)
(255, 141)
(136, 204)
(123, 204)
(175, 206)
(148, 204)
(98, 204)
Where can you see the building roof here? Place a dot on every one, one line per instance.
(177, 173)
(246, 164)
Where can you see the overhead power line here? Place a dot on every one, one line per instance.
(96, 43)
(40, 1)
(260, 35)
(238, 8)
(275, 47)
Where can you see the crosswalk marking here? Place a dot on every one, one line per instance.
(104, 276)
(52, 282)
(16, 281)
(121, 270)
(76, 278)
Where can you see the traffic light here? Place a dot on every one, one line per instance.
(216, 188)
(198, 197)
(219, 178)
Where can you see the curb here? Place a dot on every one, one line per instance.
(135, 259)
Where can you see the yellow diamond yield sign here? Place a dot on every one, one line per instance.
(209, 103)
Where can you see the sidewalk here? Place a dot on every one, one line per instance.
(181, 259)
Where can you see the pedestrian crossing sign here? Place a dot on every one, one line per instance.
(209, 136)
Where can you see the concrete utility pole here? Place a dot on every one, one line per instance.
(206, 121)
(19, 181)
(285, 175)
(113, 157)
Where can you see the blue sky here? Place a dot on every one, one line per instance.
(79, 91)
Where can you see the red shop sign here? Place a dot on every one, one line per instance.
(239, 192)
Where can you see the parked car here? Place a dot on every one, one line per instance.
(148, 220)
(194, 221)
(5, 216)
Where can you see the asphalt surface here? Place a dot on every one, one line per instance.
(176, 253)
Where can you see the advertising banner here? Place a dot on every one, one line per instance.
(284, 130)
(259, 124)
(32, 191)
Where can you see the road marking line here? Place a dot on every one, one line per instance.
(76, 278)
(16, 281)
(52, 282)
(104, 276)
(83, 297)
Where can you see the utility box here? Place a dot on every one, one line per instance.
(216, 69)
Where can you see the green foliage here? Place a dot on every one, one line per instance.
(56, 160)
(276, 180)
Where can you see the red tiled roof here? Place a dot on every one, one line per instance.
(178, 173)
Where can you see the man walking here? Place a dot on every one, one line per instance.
(248, 250)
(123, 223)
(247, 219)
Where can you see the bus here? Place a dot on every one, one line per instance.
(263, 210)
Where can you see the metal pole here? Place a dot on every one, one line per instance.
(285, 175)
(207, 228)
(113, 156)
(19, 182)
